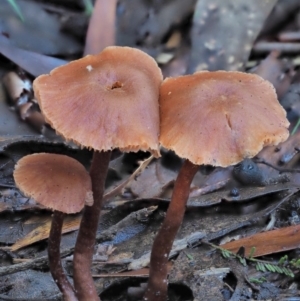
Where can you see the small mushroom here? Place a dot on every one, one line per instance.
(62, 184)
(102, 102)
(217, 118)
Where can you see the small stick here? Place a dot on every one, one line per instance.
(262, 47)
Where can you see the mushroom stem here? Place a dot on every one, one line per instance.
(158, 285)
(84, 247)
(55, 265)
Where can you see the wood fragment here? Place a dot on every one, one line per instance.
(289, 36)
(263, 47)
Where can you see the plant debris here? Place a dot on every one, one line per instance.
(239, 238)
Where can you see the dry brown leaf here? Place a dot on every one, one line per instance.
(270, 242)
(71, 223)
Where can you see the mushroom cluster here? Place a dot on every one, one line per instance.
(118, 99)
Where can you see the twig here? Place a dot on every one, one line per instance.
(261, 265)
(53, 298)
(108, 234)
(262, 47)
(289, 36)
(263, 161)
(117, 190)
(31, 264)
(208, 189)
(7, 185)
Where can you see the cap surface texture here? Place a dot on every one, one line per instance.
(104, 101)
(56, 181)
(220, 118)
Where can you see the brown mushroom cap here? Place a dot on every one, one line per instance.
(104, 101)
(55, 181)
(220, 118)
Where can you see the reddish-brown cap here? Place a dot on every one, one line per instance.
(220, 118)
(55, 181)
(104, 101)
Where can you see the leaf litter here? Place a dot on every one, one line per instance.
(221, 205)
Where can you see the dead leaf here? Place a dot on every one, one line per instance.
(277, 71)
(152, 182)
(270, 242)
(71, 223)
(216, 38)
(113, 192)
(104, 16)
(32, 62)
(39, 32)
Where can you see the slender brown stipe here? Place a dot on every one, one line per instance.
(157, 286)
(84, 248)
(55, 265)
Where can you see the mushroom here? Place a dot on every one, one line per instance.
(60, 183)
(102, 102)
(217, 118)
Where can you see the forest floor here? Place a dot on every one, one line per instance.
(241, 233)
